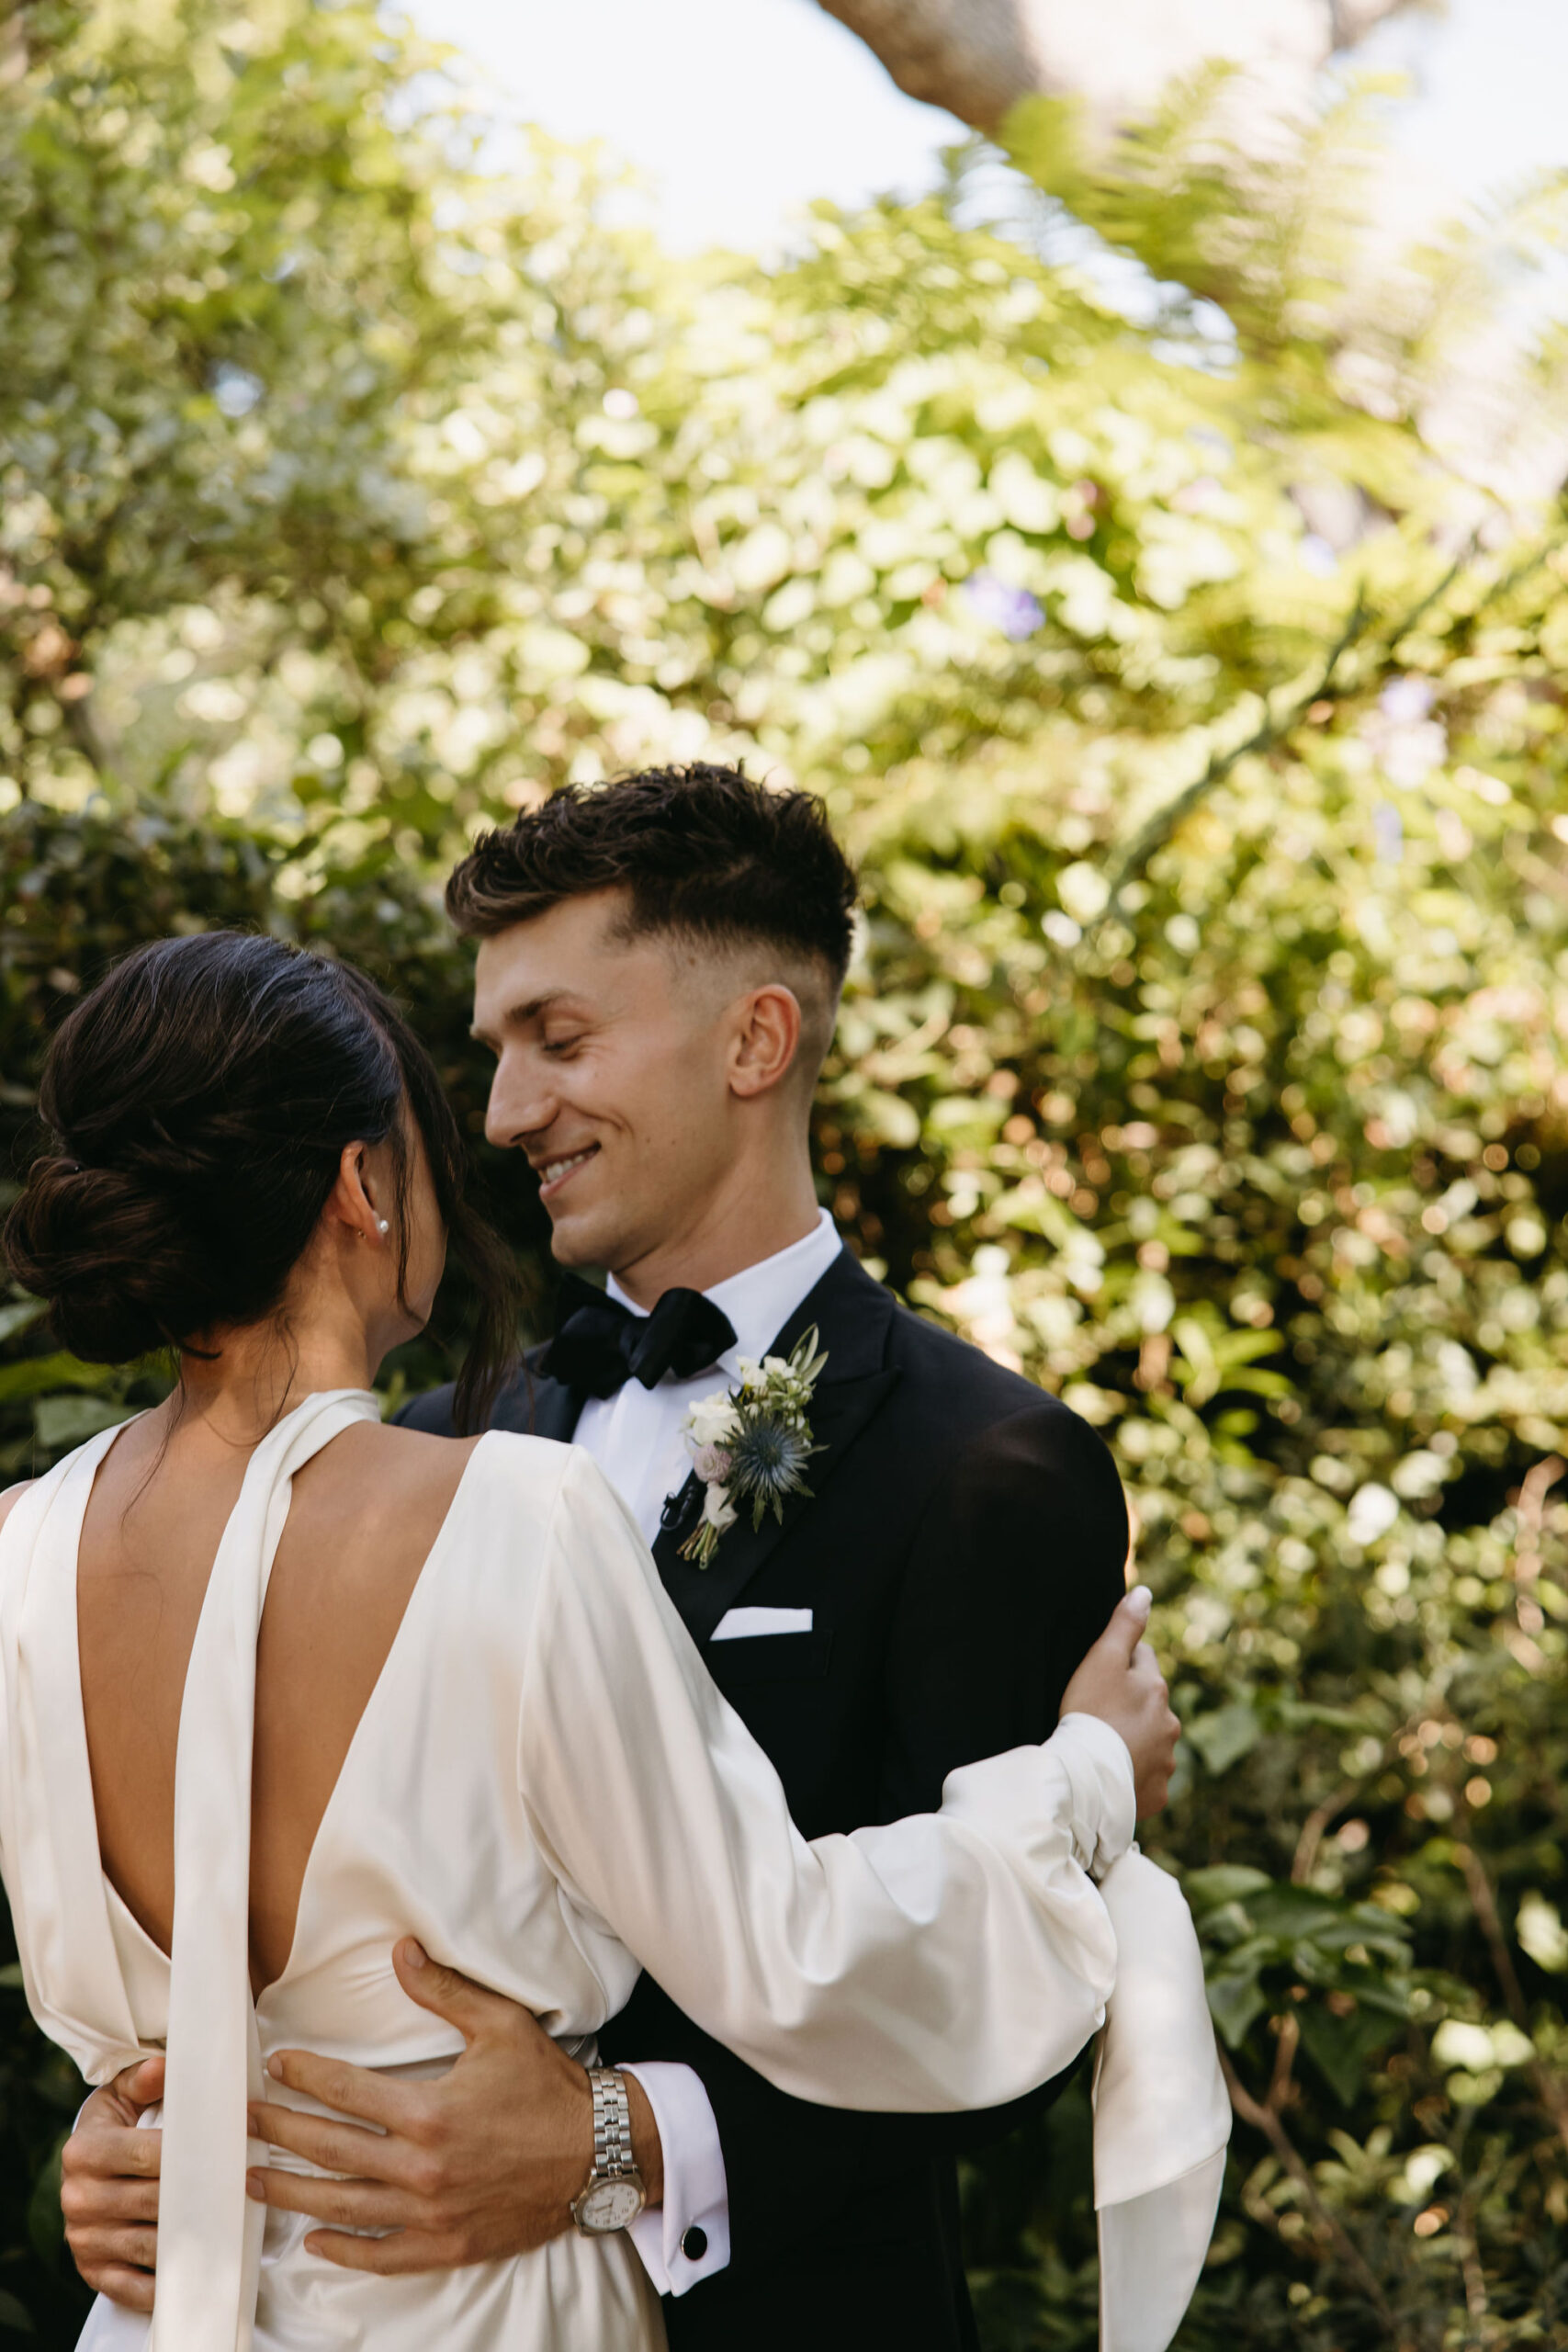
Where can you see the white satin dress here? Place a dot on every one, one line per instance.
(547, 1790)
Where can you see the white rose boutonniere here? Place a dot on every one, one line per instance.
(752, 1444)
(711, 1421)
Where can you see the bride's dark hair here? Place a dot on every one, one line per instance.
(199, 1102)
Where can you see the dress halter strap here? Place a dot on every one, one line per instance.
(209, 2232)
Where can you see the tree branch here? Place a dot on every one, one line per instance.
(980, 58)
(977, 58)
(1316, 1823)
(1281, 718)
(1276, 723)
(1549, 2090)
(1265, 2118)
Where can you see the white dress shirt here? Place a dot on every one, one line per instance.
(634, 1437)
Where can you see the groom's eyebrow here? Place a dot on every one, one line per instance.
(517, 1016)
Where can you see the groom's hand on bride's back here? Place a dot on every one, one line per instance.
(1120, 1681)
(108, 2188)
(479, 2164)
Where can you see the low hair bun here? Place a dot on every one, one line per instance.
(106, 1254)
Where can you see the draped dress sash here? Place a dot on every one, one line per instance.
(209, 2232)
(1162, 2115)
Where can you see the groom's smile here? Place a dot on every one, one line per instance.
(554, 1173)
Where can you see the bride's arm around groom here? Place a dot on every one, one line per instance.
(950, 1962)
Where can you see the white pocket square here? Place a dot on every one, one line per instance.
(744, 1624)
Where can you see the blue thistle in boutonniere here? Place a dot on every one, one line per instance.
(750, 1445)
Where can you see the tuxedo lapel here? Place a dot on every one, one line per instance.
(852, 1314)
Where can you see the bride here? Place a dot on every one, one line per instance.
(281, 1685)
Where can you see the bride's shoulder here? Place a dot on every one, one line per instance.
(558, 1489)
(500, 1464)
(506, 1462)
(409, 1460)
(517, 1483)
(528, 1506)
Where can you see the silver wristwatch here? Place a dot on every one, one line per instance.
(614, 2195)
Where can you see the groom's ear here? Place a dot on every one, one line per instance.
(765, 1041)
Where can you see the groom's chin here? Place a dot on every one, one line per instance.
(573, 1242)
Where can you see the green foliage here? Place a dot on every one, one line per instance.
(1202, 734)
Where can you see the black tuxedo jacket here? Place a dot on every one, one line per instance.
(963, 1547)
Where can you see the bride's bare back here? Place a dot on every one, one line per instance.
(364, 1513)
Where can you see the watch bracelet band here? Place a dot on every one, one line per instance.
(612, 2124)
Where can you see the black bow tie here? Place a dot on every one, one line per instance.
(600, 1344)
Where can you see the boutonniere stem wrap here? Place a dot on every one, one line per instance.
(750, 1445)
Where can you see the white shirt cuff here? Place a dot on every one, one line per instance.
(1099, 1765)
(696, 2191)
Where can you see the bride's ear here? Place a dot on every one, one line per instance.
(353, 1202)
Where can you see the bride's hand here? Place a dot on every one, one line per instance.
(1120, 1682)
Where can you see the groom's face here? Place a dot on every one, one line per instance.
(611, 1075)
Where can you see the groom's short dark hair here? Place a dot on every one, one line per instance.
(705, 854)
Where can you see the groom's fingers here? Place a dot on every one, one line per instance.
(336, 2147)
(131, 2287)
(91, 2200)
(101, 2151)
(358, 2091)
(397, 2257)
(141, 2085)
(346, 2204)
(134, 2087)
(470, 2006)
(128, 2247)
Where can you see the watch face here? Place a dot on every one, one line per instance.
(610, 2204)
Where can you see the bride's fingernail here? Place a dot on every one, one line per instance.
(1141, 1597)
(254, 2189)
(414, 1953)
(275, 2068)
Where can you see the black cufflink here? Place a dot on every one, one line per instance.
(695, 2243)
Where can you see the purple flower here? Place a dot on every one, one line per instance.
(1388, 832)
(1013, 610)
(712, 1463)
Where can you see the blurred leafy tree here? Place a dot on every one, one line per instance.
(1198, 723)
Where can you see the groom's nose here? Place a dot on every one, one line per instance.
(522, 1102)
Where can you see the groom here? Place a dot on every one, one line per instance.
(659, 970)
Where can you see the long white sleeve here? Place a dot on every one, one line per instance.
(950, 1960)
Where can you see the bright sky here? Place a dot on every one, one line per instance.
(740, 112)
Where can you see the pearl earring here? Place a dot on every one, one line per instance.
(381, 1224)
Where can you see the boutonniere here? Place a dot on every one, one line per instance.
(752, 1444)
